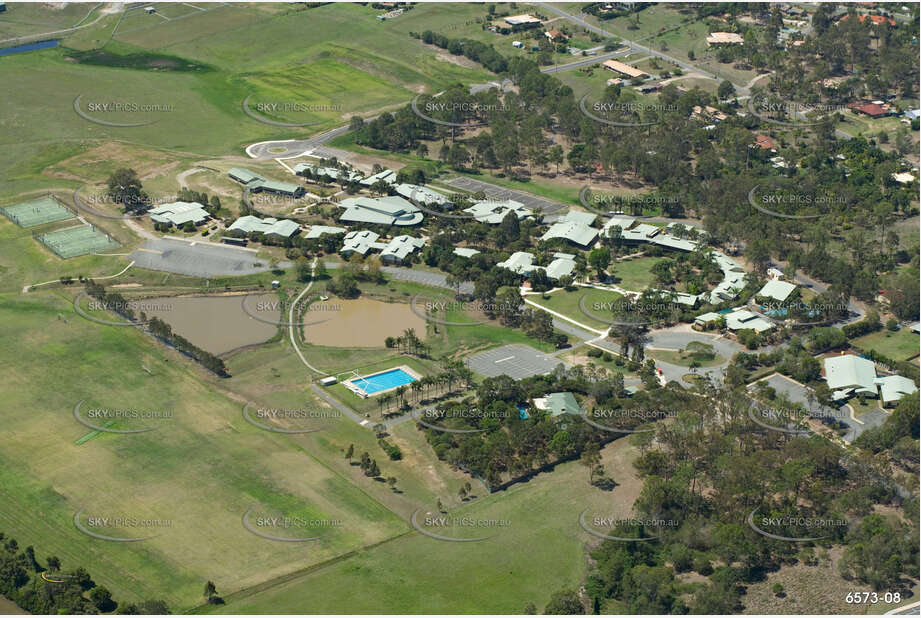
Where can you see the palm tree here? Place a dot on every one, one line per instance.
(416, 388)
(401, 394)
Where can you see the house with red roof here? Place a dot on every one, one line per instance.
(873, 110)
(875, 19)
(766, 142)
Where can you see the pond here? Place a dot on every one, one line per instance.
(361, 323)
(217, 324)
(6, 51)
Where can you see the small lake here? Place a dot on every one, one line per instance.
(361, 323)
(217, 324)
(26, 47)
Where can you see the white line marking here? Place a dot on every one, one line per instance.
(502, 360)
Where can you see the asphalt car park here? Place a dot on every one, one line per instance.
(515, 361)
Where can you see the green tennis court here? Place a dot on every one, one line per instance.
(37, 212)
(76, 241)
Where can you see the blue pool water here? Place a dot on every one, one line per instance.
(522, 411)
(383, 381)
(28, 47)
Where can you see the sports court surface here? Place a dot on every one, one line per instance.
(516, 361)
(495, 192)
(198, 259)
(37, 212)
(76, 241)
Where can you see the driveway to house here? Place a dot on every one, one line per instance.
(798, 393)
(819, 287)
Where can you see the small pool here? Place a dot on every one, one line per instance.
(523, 411)
(28, 47)
(382, 381)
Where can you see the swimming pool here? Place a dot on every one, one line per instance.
(383, 381)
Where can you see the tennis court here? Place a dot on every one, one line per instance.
(76, 241)
(37, 212)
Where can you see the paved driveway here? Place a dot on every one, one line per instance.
(516, 361)
(797, 393)
(495, 192)
(198, 259)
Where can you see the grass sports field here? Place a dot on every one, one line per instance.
(596, 304)
(899, 345)
(634, 274)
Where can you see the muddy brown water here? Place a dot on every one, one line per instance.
(217, 324)
(360, 323)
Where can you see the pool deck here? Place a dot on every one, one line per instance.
(358, 391)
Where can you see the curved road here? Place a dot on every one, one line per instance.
(290, 148)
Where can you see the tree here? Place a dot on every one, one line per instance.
(124, 187)
(350, 452)
(555, 156)
(319, 271)
(302, 268)
(725, 90)
(599, 259)
(564, 602)
(102, 599)
(591, 459)
(54, 563)
(392, 481)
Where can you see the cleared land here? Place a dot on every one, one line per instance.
(597, 305)
(634, 274)
(899, 345)
(417, 574)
